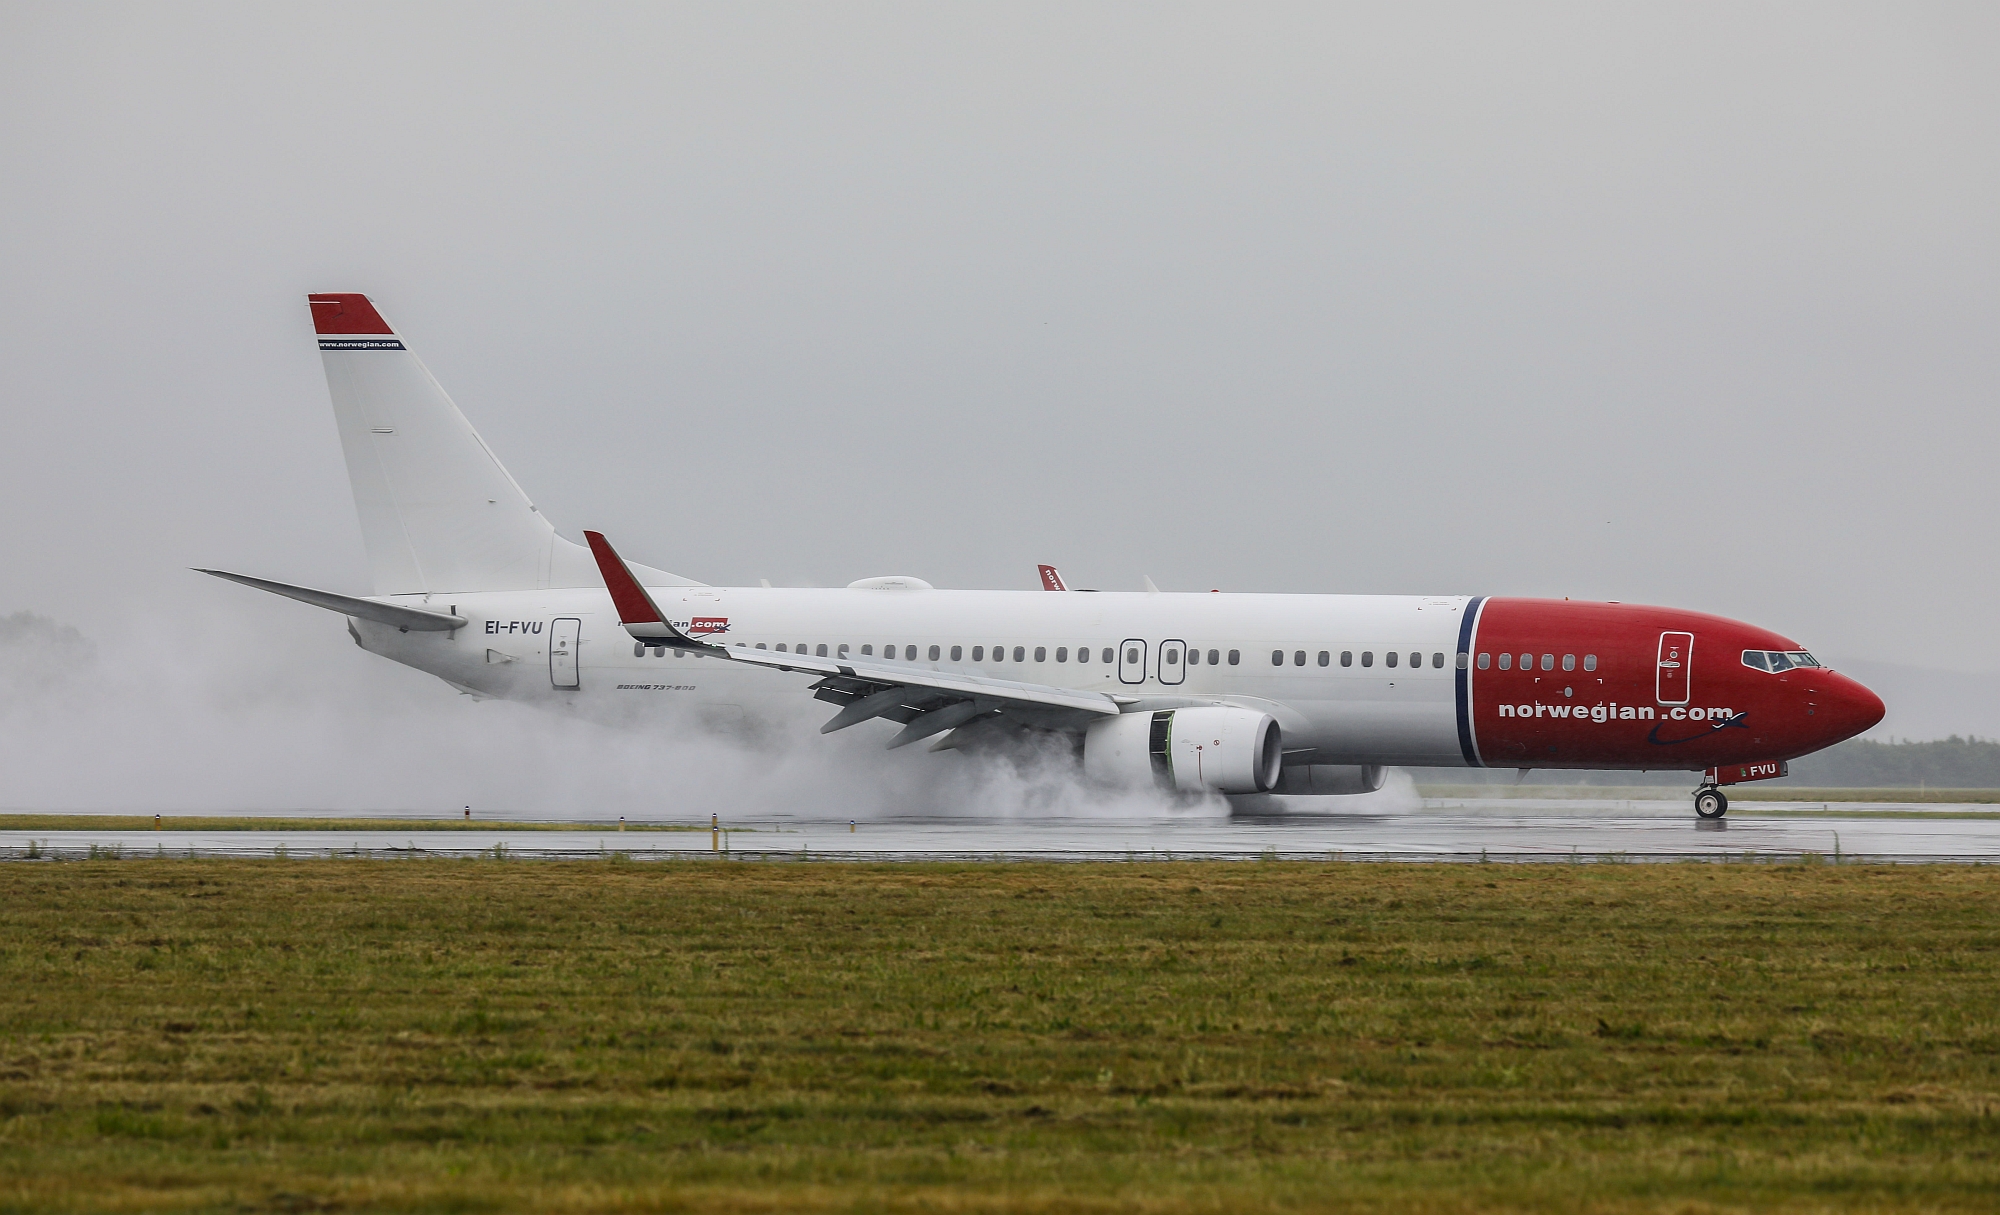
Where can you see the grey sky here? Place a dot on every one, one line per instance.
(1675, 303)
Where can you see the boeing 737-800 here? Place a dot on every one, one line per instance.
(1197, 693)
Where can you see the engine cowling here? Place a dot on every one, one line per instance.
(1321, 780)
(1207, 749)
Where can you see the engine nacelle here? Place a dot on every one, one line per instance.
(1208, 749)
(1321, 780)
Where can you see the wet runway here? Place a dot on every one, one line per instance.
(1441, 830)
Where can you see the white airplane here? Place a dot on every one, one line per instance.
(1198, 693)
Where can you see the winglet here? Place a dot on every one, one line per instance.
(636, 610)
(1051, 580)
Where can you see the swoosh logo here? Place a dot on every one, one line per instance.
(1736, 721)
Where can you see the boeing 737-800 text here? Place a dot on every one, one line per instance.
(1200, 693)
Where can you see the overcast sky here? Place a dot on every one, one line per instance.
(1674, 303)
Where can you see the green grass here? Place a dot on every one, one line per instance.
(714, 1036)
(1800, 793)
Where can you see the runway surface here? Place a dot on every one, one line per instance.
(1440, 830)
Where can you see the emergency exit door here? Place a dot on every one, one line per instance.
(1171, 655)
(1132, 661)
(1676, 649)
(562, 652)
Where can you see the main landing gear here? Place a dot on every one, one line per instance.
(1709, 802)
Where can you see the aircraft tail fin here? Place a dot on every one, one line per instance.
(439, 513)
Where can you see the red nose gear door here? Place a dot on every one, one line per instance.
(1676, 649)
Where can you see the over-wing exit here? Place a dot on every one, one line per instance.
(1201, 693)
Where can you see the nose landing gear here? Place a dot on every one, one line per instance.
(1709, 802)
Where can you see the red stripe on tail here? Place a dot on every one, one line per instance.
(342, 312)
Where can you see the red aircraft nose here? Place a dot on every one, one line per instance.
(1845, 707)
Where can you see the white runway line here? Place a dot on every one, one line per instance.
(1454, 830)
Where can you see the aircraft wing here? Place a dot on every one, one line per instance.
(926, 701)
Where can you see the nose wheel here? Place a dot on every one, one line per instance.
(1710, 803)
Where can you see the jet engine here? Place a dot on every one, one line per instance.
(1208, 749)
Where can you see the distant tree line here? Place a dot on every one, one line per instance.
(1946, 763)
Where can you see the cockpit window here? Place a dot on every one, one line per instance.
(1778, 660)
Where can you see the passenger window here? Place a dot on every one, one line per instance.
(1390, 658)
(1194, 657)
(1020, 653)
(1106, 657)
(762, 646)
(843, 649)
(1212, 656)
(1367, 658)
(1041, 653)
(1235, 656)
(781, 647)
(1437, 661)
(1062, 653)
(1486, 660)
(909, 653)
(999, 653)
(979, 653)
(957, 652)
(1325, 658)
(934, 653)
(820, 650)
(1464, 660)
(1569, 662)
(1347, 658)
(1277, 658)
(1548, 662)
(1083, 653)
(1132, 656)
(1416, 659)
(1506, 662)
(1298, 658)
(1590, 662)
(1171, 657)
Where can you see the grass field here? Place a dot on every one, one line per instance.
(712, 1036)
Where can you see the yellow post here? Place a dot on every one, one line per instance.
(156, 822)
(715, 833)
(850, 826)
(621, 822)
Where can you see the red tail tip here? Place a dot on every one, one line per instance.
(345, 312)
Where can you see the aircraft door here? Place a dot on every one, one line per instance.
(1173, 654)
(562, 652)
(1132, 661)
(1676, 652)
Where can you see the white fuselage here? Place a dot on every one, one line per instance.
(515, 646)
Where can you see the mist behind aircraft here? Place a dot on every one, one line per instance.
(1689, 306)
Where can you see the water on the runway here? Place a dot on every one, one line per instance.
(1447, 829)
